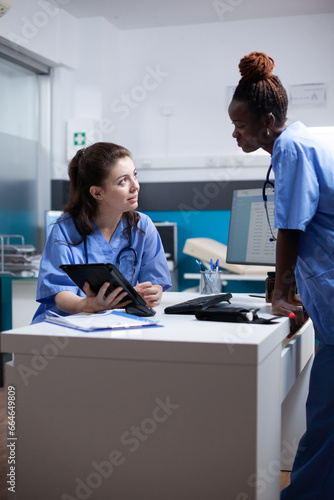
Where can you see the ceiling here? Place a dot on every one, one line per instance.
(138, 14)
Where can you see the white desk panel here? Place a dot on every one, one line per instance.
(188, 410)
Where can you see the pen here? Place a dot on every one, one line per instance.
(202, 269)
(200, 265)
(211, 264)
(207, 277)
(217, 264)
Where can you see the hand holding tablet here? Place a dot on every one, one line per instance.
(97, 274)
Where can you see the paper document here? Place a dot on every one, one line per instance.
(104, 320)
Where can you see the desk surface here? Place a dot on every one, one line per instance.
(251, 342)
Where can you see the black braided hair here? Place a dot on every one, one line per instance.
(262, 90)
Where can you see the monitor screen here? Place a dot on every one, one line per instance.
(249, 233)
(50, 217)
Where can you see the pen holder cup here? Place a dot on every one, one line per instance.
(210, 282)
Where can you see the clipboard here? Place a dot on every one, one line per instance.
(103, 320)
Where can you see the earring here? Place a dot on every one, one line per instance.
(268, 132)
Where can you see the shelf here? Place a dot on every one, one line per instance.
(16, 257)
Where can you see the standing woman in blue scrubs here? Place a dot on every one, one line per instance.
(100, 224)
(304, 215)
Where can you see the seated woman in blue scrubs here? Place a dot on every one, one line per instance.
(100, 224)
(304, 215)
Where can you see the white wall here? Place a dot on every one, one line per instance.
(80, 94)
(122, 79)
(201, 62)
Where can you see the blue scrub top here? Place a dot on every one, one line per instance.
(304, 200)
(151, 260)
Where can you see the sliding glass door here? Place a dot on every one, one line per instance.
(20, 147)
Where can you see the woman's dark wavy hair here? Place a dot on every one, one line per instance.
(91, 167)
(262, 90)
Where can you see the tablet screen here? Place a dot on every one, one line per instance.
(97, 274)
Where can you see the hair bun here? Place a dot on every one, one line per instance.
(256, 66)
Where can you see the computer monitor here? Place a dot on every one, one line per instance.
(50, 217)
(168, 235)
(249, 240)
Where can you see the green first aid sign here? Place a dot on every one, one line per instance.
(79, 138)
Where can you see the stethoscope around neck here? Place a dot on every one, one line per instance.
(268, 183)
(121, 253)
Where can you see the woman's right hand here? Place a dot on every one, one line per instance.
(71, 303)
(100, 302)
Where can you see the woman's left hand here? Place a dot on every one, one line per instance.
(150, 293)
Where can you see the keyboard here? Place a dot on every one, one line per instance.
(193, 305)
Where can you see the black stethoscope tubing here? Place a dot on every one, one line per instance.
(267, 183)
(128, 248)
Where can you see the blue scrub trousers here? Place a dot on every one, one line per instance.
(312, 477)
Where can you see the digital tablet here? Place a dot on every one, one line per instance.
(97, 274)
